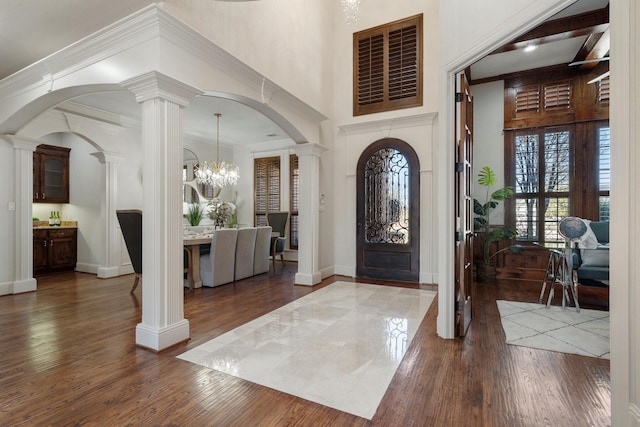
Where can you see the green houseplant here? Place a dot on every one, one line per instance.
(486, 268)
(194, 214)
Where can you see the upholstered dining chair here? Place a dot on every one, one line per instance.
(245, 253)
(278, 223)
(218, 266)
(262, 250)
(131, 225)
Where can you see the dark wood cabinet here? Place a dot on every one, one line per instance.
(54, 249)
(51, 174)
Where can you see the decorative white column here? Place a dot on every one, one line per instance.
(110, 267)
(309, 214)
(162, 98)
(23, 155)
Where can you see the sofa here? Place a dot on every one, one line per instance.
(593, 259)
(235, 254)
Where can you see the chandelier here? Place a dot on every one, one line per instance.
(351, 10)
(217, 173)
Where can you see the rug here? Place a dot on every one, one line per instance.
(533, 325)
(339, 346)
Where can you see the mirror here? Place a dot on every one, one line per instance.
(189, 161)
(190, 191)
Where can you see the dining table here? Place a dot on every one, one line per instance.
(191, 243)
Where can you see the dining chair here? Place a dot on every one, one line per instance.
(262, 250)
(131, 226)
(218, 266)
(278, 223)
(245, 252)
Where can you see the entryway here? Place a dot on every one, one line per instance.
(388, 212)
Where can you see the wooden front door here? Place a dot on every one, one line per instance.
(388, 212)
(463, 206)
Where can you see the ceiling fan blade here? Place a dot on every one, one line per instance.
(588, 61)
(600, 77)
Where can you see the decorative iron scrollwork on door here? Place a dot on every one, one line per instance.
(386, 186)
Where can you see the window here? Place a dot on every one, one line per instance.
(387, 70)
(294, 186)
(542, 172)
(604, 172)
(267, 188)
(557, 172)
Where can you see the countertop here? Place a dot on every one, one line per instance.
(63, 224)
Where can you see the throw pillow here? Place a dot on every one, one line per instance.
(595, 257)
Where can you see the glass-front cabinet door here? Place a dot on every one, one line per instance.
(51, 174)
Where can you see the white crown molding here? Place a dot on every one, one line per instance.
(157, 85)
(126, 33)
(271, 146)
(149, 23)
(388, 124)
(93, 113)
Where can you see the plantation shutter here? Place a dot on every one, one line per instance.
(266, 188)
(557, 95)
(294, 200)
(527, 99)
(388, 67)
(603, 90)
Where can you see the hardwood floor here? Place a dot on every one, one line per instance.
(68, 357)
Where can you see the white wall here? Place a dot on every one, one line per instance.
(488, 138)
(254, 33)
(353, 134)
(471, 25)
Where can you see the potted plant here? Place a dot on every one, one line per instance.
(486, 268)
(220, 212)
(194, 214)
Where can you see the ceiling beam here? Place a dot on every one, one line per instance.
(585, 24)
(599, 50)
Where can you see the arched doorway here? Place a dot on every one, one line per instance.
(388, 212)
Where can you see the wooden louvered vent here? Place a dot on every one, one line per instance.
(388, 67)
(603, 91)
(557, 96)
(403, 70)
(528, 99)
(371, 70)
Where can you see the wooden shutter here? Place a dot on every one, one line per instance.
(528, 98)
(557, 95)
(403, 63)
(266, 188)
(603, 90)
(387, 69)
(294, 200)
(370, 81)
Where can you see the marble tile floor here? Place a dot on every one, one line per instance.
(338, 346)
(533, 325)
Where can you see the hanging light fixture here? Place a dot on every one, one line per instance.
(351, 10)
(217, 173)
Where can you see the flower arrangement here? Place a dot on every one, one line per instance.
(220, 212)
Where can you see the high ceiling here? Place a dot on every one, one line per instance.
(578, 33)
(38, 28)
